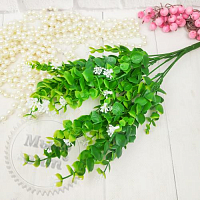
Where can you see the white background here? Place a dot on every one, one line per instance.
(164, 165)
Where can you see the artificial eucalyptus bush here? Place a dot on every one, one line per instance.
(129, 96)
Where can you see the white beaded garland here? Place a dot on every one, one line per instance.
(44, 36)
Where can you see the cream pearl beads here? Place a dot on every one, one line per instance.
(44, 36)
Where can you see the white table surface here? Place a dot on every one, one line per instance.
(164, 165)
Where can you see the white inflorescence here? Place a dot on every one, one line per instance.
(67, 142)
(111, 129)
(106, 93)
(105, 108)
(51, 35)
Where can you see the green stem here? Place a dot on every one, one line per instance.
(106, 167)
(67, 176)
(179, 54)
(40, 160)
(160, 65)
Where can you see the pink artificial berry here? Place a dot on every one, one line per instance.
(148, 10)
(181, 9)
(195, 15)
(159, 21)
(185, 16)
(197, 23)
(152, 26)
(152, 14)
(172, 18)
(198, 32)
(198, 37)
(182, 24)
(164, 12)
(192, 34)
(173, 26)
(166, 28)
(165, 19)
(189, 10)
(180, 20)
(173, 10)
(161, 26)
(141, 14)
(146, 18)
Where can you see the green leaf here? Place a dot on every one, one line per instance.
(37, 162)
(111, 60)
(150, 96)
(60, 134)
(120, 140)
(93, 93)
(146, 60)
(159, 108)
(69, 77)
(88, 75)
(57, 143)
(136, 57)
(117, 108)
(59, 177)
(161, 91)
(70, 169)
(48, 162)
(96, 152)
(59, 184)
(101, 172)
(95, 117)
(141, 100)
(138, 108)
(155, 115)
(124, 66)
(132, 138)
(146, 107)
(100, 62)
(141, 118)
(67, 124)
(79, 168)
(140, 87)
(90, 164)
(106, 147)
(147, 80)
(85, 154)
(89, 65)
(122, 122)
(26, 157)
(118, 152)
(72, 138)
(128, 86)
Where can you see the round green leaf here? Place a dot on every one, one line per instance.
(117, 108)
(120, 140)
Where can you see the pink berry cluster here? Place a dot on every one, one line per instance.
(171, 17)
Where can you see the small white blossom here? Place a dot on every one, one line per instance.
(48, 146)
(32, 102)
(105, 108)
(62, 101)
(58, 106)
(67, 142)
(98, 70)
(108, 72)
(106, 93)
(49, 150)
(111, 129)
(44, 106)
